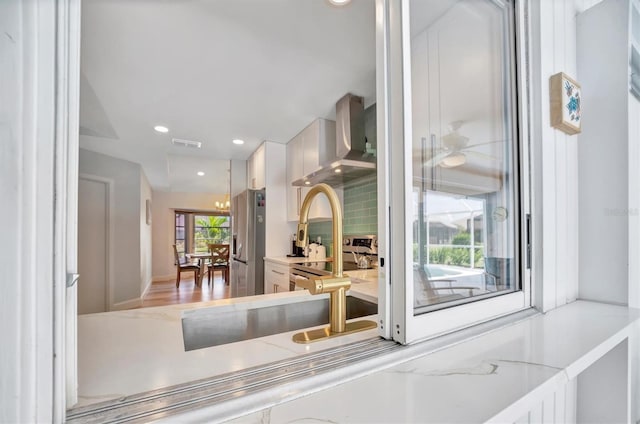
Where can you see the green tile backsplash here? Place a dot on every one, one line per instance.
(360, 212)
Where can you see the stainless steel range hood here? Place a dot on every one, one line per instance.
(344, 159)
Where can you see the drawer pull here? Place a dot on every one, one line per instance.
(277, 272)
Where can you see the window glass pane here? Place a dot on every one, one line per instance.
(179, 220)
(210, 229)
(464, 180)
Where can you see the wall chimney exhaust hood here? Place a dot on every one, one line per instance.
(346, 159)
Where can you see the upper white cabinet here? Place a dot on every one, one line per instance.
(302, 159)
(608, 36)
(256, 169)
(265, 170)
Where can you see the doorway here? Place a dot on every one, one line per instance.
(93, 245)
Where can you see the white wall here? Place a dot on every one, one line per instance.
(555, 162)
(145, 235)
(126, 221)
(27, 181)
(555, 156)
(163, 226)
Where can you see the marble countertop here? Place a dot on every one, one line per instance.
(494, 377)
(286, 260)
(364, 284)
(126, 352)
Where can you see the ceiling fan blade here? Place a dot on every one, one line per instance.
(436, 159)
(484, 144)
(481, 155)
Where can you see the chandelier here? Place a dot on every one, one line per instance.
(225, 205)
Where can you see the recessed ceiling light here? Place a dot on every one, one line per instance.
(339, 2)
(200, 174)
(238, 141)
(161, 129)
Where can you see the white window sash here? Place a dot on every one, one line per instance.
(405, 326)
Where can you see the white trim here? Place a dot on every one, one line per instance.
(523, 47)
(407, 327)
(109, 230)
(33, 297)
(382, 118)
(455, 318)
(66, 189)
(397, 176)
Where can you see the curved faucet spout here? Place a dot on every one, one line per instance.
(336, 217)
(337, 284)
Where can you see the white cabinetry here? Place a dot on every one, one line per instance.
(609, 153)
(276, 277)
(265, 170)
(302, 159)
(256, 168)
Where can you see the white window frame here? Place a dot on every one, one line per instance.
(405, 326)
(61, 384)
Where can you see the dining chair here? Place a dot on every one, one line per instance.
(219, 261)
(183, 265)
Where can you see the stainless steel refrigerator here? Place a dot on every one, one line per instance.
(248, 245)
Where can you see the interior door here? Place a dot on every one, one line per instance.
(93, 198)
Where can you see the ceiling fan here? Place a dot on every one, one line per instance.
(455, 148)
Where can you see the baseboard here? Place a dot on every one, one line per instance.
(160, 278)
(127, 304)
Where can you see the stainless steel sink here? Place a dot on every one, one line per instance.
(215, 329)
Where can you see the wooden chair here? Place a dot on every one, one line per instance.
(182, 265)
(219, 261)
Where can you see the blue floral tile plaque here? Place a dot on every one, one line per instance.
(566, 108)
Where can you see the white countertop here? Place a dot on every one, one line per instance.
(364, 284)
(461, 377)
(286, 260)
(126, 352)
(495, 377)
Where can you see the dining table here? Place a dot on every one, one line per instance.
(202, 261)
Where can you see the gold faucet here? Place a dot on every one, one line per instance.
(336, 284)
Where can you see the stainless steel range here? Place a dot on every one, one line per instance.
(358, 252)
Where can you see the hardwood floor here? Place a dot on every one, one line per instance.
(165, 292)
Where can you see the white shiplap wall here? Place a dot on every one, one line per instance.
(558, 407)
(555, 185)
(555, 156)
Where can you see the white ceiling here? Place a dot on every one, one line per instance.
(212, 71)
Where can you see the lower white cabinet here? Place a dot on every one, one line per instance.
(276, 277)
